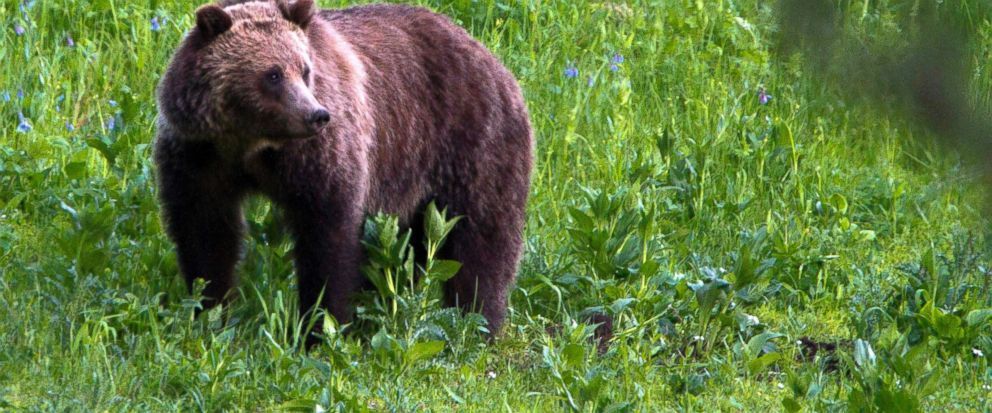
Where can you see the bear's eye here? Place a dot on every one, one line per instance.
(273, 76)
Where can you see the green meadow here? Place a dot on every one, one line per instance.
(761, 240)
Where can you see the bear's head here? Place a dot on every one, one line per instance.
(245, 72)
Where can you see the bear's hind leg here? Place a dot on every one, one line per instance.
(488, 254)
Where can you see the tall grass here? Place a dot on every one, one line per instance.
(728, 236)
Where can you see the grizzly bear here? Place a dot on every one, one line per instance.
(335, 115)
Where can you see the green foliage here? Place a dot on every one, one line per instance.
(406, 309)
(793, 253)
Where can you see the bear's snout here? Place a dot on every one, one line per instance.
(318, 118)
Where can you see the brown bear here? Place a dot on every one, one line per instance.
(334, 115)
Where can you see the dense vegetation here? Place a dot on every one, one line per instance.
(759, 241)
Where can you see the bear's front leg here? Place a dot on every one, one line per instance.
(202, 214)
(328, 254)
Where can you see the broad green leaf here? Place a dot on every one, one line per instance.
(948, 326)
(839, 202)
(443, 270)
(582, 221)
(757, 343)
(424, 350)
(574, 354)
(75, 170)
(761, 363)
(621, 304)
(978, 317)
(433, 223)
(791, 405)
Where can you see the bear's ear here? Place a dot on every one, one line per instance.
(212, 20)
(299, 12)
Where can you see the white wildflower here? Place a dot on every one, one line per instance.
(977, 352)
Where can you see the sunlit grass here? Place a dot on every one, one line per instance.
(667, 194)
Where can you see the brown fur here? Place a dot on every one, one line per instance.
(419, 111)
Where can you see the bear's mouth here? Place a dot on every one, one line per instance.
(302, 133)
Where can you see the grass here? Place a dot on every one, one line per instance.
(717, 231)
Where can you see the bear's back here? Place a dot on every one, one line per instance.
(441, 101)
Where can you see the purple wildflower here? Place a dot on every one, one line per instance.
(18, 29)
(69, 42)
(20, 94)
(615, 62)
(571, 72)
(763, 96)
(24, 126)
(590, 81)
(113, 103)
(6, 96)
(112, 123)
(69, 126)
(155, 24)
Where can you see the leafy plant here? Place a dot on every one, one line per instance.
(405, 309)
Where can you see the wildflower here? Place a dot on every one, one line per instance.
(69, 126)
(69, 42)
(591, 81)
(155, 24)
(571, 72)
(112, 123)
(491, 375)
(113, 103)
(24, 126)
(20, 94)
(763, 96)
(698, 338)
(977, 352)
(6, 96)
(18, 29)
(615, 62)
(752, 320)
(781, 386)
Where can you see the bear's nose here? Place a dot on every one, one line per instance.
(319, 117)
